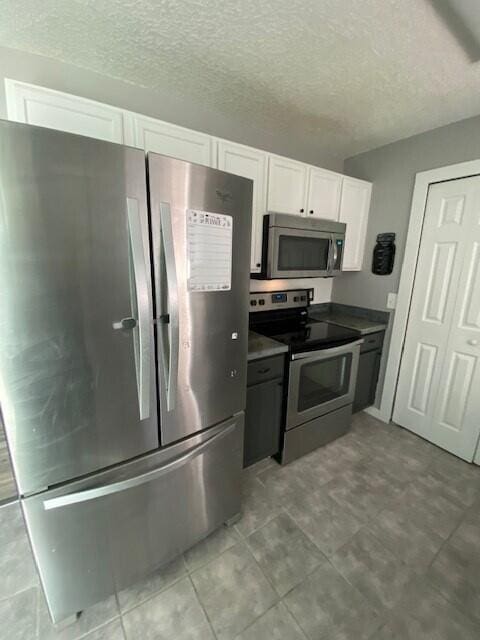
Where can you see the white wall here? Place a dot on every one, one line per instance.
(178, 109)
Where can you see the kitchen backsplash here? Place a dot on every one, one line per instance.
(322, 286)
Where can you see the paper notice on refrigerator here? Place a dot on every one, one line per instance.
(209, 251)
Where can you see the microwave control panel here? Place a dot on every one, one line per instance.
(272, 300)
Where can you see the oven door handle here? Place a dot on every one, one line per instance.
(327, 353)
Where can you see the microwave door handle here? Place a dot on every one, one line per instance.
(142, 301)
(335, 255)
(330, 255)
(171, 370)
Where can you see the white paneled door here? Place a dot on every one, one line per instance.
(438, 393)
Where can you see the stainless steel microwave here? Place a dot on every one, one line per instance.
(296, 247)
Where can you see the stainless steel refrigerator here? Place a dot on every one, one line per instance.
(123, 336)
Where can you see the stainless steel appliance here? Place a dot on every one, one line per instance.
(322, 369)
(297, 247)
(123, 410)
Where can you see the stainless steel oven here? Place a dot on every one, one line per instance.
(321, 381)
(296, 247)
(321, 388)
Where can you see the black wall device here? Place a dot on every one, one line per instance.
(384, 254)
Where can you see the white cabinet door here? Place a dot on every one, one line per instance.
(249, 163)
(170, 140)
(324, 191)
(287, 185)
(354, 208)
(55, 110)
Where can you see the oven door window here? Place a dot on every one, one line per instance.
(323, 380)
(300, 253)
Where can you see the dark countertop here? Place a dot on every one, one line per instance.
(262, 347)
(364, 321)
(362, 325)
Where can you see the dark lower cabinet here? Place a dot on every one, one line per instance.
(263, 415)
(368, 369)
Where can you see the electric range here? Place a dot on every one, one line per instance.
(321, 372)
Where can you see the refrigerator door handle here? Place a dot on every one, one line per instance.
(149, 476)
(142, 308)
(170, 370)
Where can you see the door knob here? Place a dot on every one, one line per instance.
(473, 342)
(125, 324)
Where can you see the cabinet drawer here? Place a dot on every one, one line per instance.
(266, 369)
(372, 341)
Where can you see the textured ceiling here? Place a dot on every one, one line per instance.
(352, 74)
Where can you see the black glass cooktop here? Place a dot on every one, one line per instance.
(306, 334)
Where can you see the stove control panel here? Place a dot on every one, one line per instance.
(273, 300)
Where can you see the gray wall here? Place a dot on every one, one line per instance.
(392, 170)
(165, 106)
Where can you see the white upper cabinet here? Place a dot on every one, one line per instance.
(354, 208)
(249, 163)
(170, 140)
(55, 110)
(301, 189)
(287, 185)
(324, 191)
(280, 184)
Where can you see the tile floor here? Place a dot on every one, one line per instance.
(376, 535)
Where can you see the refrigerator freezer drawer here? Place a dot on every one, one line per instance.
(99, 535)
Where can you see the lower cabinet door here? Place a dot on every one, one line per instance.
(98, 535)
(263, 419)
(367, 377)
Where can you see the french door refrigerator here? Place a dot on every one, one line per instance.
(123, 338)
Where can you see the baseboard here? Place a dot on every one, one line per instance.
(376, 413)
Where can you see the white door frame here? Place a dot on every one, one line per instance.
(423, 180)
